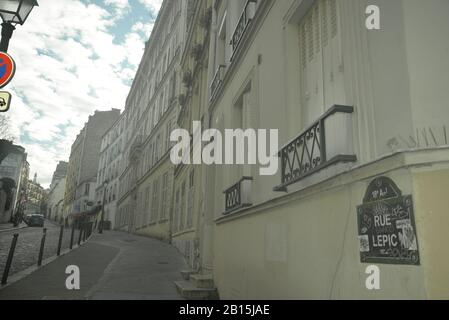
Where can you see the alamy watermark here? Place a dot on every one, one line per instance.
(239, 146)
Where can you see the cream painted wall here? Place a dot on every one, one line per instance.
(307, 248)
(431, 187)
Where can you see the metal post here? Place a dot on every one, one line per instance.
(41, 250)
(61, 233)
(84, 231)
(73, 234)
(9, 260)
(7, 30)
(80, 235)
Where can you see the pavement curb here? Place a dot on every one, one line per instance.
(13, 229)
(30, 270)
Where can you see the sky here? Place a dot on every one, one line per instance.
(73, 57)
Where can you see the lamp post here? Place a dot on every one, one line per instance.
(13, 12)
(105, 185)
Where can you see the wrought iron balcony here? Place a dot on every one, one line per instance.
(326, 142)
(217, 81)
(238, 196)
(243, 23)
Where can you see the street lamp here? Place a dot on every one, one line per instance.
(105, 185)
(13, 12)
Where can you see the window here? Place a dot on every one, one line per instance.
(321, 63)
(190, 199)
(177, 212)
(155, 204)
(165, 197)
(182, 206)
(147, 205)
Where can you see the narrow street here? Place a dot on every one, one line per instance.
(112, 266)
(28, 244)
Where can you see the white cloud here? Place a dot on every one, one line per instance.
(152, 5)
(67, 67)
(143, 28)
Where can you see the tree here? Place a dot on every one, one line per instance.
(5, 130)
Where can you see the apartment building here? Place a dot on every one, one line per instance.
(13, 169)
(56, 193)
(35, 195)
(145, 192)
(108, 174)
(83, 164)
(362, 121)
(189, 231)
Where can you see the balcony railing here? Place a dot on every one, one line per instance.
(326, 142)
(244, 20)
(217, 81)
(238, 196)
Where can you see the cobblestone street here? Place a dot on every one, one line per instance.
(28, 243)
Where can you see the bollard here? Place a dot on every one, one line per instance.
(41, 250)
(9, 260)
(72, 236)
(80, 235)
(61, 233)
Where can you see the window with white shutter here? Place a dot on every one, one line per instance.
(321, 63)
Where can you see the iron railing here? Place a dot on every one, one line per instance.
(235, 197)
(306, 154)
(217, 81)
(244, 21)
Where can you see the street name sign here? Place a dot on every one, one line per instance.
(386, 225)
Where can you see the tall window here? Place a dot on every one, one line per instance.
(155, 204)
(165, 197)
(182, 214)
(321, 63)
(148, 210)
(177, 212)
(190, 200)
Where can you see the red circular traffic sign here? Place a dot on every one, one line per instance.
(7, 69)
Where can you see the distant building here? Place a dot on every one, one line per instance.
(108, 174)
(60, 172)
(55, 203)
(83, 163)
(12, 171)
(35, 195)
(152, 107)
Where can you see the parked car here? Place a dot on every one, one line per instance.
(35, 220)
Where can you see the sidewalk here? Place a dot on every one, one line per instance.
(9, 227)
(112, 266)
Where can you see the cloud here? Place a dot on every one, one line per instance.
(69, 64)
(144, 28)
(152, 5)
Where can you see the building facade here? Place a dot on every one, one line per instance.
(356, 146)
(111, 157)
(34, 197)
(146, 180)
(350, 170)
(13, 169)
(190, 224)
(55, 202)
(83, 164)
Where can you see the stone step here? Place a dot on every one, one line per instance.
(186, 274)
(189, 291)
(204, 281)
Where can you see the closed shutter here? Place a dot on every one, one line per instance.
(321, 63)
